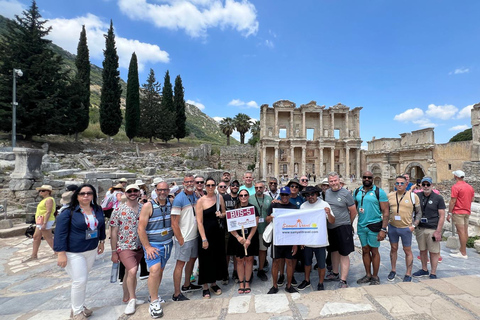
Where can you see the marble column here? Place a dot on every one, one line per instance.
(291, 171)
(304, 162)
(264, 160)
(304, 132)
(321, 123)
(332, 158)
(347, 162)
(358, 164)
(275, 130)
(275, 161)
(320, 167)
(346, 126)
(332, 124)
(292, 133)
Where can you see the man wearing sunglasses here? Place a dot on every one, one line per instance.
(230, 203)
(273, 190)
(372, 225)
(401, 225)
(429, 231)
(200, 186)
(295, 197)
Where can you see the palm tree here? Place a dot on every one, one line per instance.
(227, 125)
(255, 129)
(242, 124)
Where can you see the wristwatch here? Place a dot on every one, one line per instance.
(383, 229)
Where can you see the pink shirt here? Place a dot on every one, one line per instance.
(464, 194)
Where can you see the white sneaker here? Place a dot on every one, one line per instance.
(155, 310)
(130, 309)
(138, 301)
(458, 255)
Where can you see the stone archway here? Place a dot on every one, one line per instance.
(377, 174)
(416, 171)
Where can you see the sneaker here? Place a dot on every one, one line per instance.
(332, 277)
(420, 258)
(79, 316)
(235, 276)
(420, 273)
(303, 285)
(120, 283)
(391, 276)
(458, 255)
(144, 277)
(180, 297)
(262, 275)
(191, 288)
(294, 282)
(342, 284)
(281, 280)
(440, 259)
(130, 309)
(86, 312)
(159, 299)
(407, 278)
(272, 290)
(320, 287)
(291, 289)
(155, 310)
(375, 281)
(365, 279)
(432, 276)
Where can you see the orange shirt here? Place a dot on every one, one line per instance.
(464, 194)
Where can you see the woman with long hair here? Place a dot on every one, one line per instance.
(79, 236)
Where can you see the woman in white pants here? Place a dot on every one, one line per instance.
(79, 236)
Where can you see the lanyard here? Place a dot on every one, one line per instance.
(424, 202)
(87, 220)
(398, 202)
(164, 212)
(263, 202)
(191, 203)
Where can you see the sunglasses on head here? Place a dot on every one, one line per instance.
(367, 177)
(426, 184)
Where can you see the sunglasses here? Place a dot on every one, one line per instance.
(310, 195)
(304, 180)
(426, 184)
(293, 186)
(284, 195)
(243, 196)
(367, 177)
(41, 191)
(258, 187)
(210, 185)
(199, 182)
(234, 186)
(131, 191)
(83, 194)
(163, 190)
(399, 183)
(222, 187)
(273, 183)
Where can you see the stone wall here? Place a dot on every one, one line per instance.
(424, 136)
(236, 159)
(450, 157)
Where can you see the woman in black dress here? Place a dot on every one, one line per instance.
(210, 211)
(250, 242)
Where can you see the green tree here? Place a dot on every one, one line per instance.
(465, 135)
(132, 108)
(150, 101)
(227, 125)
(82, 62)
(110, 113)
(242, 124)
(255, 131)
(41, 90)
(167, 110)
(179, 102)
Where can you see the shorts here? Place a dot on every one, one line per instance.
(368, 237)
(48, 226)
(425, 242)
(261, 245)
(186, 252)
(395, 233)
(163, 255)
(341, 239)
(320, 255)
(460, 219)
(130, 258)
(282, 252)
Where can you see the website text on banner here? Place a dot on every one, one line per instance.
(242, 217)
(300, 227)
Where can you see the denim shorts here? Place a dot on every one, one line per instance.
(404, 233)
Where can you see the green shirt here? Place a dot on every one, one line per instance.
(262, 205)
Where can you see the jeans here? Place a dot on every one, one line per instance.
(78, 266)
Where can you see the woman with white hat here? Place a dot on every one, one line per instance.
(45, 219)
(143, 191)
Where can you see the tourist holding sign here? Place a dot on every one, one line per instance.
(244, 226)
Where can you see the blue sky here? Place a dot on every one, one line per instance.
(409, 64)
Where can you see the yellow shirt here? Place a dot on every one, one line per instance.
(403, 217)
(42, 209)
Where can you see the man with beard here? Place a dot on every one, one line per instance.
(230, 202)
(184, 225)
(273, 190)
(226, 178)
(200, 186)
(372, 206)
(295, 197)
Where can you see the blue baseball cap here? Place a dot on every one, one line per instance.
(427, 179)
(285, 190)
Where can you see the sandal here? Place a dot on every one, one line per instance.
(216, 289)
(206, 294)
(241, 290)
(247, 290)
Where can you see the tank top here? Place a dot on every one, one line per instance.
(42, 209)
(159, 227)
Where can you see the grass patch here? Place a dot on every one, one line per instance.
(471, 241)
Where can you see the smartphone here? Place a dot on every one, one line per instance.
(433, 238)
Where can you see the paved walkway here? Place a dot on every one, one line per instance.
(41, 290)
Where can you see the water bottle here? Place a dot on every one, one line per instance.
(114, 274)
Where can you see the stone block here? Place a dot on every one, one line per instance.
(50, 166)
(9, 156)
(476, 245)
(64, 172)
(20, 184)
(126, 175)
(55, 183)
(149, 171)
(6, 224)
(453, 242)
(28, 163)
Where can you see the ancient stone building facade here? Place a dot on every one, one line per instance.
(309, 139)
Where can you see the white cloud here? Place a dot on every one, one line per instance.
(194, 16)
(269, 44)
(197, 104)
(236, 135)
(66, 33)
(10, 8)
(465, 112)
(409, 115)
(218, 119)
(460, 71)
(244, 105)
(424, 123)
(459, 128)
(444, 112)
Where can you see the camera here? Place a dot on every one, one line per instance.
(423, 220)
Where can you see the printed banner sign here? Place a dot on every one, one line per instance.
(237, 218)
(300, 227)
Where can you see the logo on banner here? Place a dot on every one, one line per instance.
(300, 226)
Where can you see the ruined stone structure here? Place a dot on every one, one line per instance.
(309, 139)
(475, 120)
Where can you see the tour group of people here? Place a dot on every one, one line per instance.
(190, 222)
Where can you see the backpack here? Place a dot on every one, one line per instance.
(377, 193)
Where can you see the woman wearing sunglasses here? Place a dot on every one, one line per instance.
(250, 242)
(211, 254)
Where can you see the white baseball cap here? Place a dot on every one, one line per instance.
(459, 173)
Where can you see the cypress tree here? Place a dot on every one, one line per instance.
(150, 101)
(132, 109)
(82, 62)
(167, 124)
(179, 103)
(110, 113)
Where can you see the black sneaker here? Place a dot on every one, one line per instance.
(291, 289)
(294, 282)
(320, 287)
(281, 280)
(235, 276)
(180, 297)
(303, 285)
(191, 288)
(272, 290)
(262, 275)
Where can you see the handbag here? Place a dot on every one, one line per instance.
(375, 227)
(268, 234)
(39, 220)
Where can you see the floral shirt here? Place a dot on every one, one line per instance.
(127, 222)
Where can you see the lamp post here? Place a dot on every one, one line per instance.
(16, 72)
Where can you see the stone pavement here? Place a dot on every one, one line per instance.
(41, 290)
